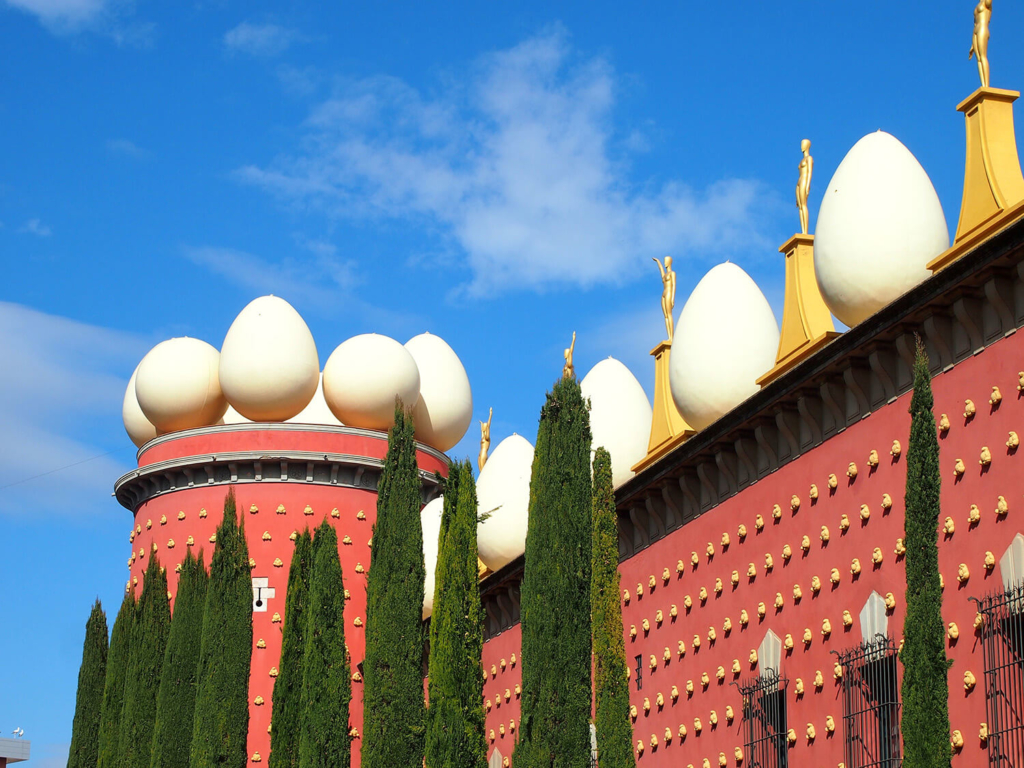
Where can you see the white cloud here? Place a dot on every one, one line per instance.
(62, 386)
(36, 227)
(260, 39)
(518, 165)
(127, 148)
(61, 15)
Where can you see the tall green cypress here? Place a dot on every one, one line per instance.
(394, 712)
(85, 730)
(611, 686)
(555, 602)
(455, 718)
(176, 699)
(221, 723)
(113, 689)
(145, 663)
(925, 691)
(326, 687)
(287, 716)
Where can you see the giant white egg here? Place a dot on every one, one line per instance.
(364, 375)
(620, 415)
(725, 339)
(503, 493)
(445, 406)
(317, 411)
(430, 519)
(139, 428)
(879, 225)
(178, 387)
(269, 367)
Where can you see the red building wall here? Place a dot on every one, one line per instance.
(972, 379)
(502, 724)
(159, 522)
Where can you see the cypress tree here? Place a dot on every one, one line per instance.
(286, 718)
(113, 689)
(221, 722)
(611, 686)
(176, 699)
(925, 691)
(455, 718)
(555, 602)
(394, 712)
(85, 730)
(326, 687)
(145, 662)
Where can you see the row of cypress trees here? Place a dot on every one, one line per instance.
(169, 693)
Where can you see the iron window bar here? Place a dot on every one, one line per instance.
(765, 725)
(871, 705)
(1002, 641)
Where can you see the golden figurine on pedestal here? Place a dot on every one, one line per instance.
(485, 439)
(668, 293)
(568, 371)
(803, 185)
(979, 42)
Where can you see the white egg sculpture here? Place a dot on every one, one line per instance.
(269, 367)
(620, 415)
(503, 492)
(317, 411)
(364, 375)
(445, 407)
(430, 518)
(725, 338)
(177, 385)
(139, 428)
(879, 225)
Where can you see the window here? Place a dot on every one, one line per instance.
(871, 707)
(496, 759)
(764, 719)
(1002, 641)
(639, 672)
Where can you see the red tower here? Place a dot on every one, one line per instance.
(286, 477)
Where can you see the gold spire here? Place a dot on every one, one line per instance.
(485, 440)
(668, 427)
(806, 322)
(993, 184)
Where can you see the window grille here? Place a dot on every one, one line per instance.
(1002, 640)
(639, 672)
(871, 705)
(764, 718)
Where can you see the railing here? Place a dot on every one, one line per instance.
(764, 718)
(871, 704)
(1002, 640)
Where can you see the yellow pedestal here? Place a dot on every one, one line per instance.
(806, 322)
(993, 184)
(668, 428)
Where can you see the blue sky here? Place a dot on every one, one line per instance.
(497, 174)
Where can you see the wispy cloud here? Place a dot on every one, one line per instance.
(260, 39)
(62, 379)
(62, 15)
(127, 148)
(35, 227)
(519, 164)
(112, 18)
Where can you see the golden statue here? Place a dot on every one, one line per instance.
(485, 440)
(979, 43)
(668, 293)
(803, 185)
(568, 371)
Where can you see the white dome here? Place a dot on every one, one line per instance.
(445, 407)
(620, 416)
(177, 385)
(364, 375)
(268, 364)
(317, 411)
(879, 225)
(138, 427)
(430, 518)
(231, 416)
(726, 337)
(503, 491)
